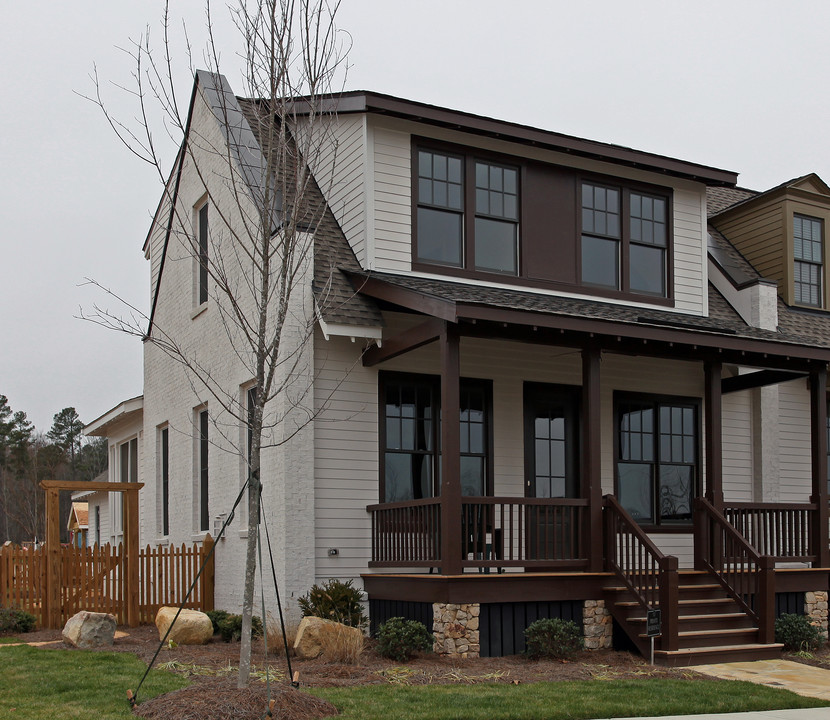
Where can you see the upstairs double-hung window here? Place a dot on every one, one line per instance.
(467, 213)
(625, 240)
(807, 260)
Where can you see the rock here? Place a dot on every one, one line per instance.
(314, 634)
(90, 629)
(192, 627)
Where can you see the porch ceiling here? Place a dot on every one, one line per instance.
(538, 318)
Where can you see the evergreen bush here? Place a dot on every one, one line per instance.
(400, 639)
(553, 638)
(797, 632)
(335, 600)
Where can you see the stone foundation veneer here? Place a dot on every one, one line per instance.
(597, 625)
(815, 607)
(455, 628)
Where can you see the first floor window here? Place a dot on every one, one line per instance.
(411, 436)
(204, 514)
(657, 458)
(164, 451)
(129, 460)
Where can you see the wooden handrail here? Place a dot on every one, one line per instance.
(746, 575)
(649, 574)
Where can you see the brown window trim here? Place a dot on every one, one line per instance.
(434, 381)
(528, 235)
(623, 396)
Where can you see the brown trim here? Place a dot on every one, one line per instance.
(404, 342)
(361, 102)
(818, 437)
(801, 579)
(591, 453)
(760, 378)
(486, 588)
(450, 451)
(713, 410)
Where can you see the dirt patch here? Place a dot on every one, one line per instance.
(820, 657)
(213, 696)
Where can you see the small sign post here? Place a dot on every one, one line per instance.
(653, 628)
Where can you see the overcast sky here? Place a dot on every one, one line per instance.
(737, 85)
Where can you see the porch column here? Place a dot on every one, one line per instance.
(131, 557)
(818, 434)
(713, 415)
(591, 475)
(450, 452)
(52, 601)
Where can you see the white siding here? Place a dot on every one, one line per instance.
(392, 200)
(737, 447)
(794, 424)
(339, 166)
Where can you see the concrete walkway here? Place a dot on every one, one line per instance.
(802, 679)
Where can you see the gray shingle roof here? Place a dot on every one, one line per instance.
(720, 198)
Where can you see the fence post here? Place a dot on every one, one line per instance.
(669, 602)
(52, 599)
(766, 600)
(131, 555)
(208, 574)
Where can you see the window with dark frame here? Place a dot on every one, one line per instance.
(251, 400)
(479, 231)
(623, 228)
(204, 512)
(808, 255)
(129, 460)
(657, 458)
(410, 422)
(164, 438)
(203, 254)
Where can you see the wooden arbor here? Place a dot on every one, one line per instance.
(52, 597)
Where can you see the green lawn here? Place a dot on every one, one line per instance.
(560, 700)
(73, 685)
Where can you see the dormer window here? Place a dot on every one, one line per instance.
(807, 260)
(468, 212)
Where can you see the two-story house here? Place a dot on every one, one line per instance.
(541, 383)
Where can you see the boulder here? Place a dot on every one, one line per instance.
(90, 629)
(192, 627)
(314, 634)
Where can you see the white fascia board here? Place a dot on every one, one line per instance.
(352, 331)
(98, 427)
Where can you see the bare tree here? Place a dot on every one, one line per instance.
(261, 259)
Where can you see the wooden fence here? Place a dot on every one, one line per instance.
(95, 579)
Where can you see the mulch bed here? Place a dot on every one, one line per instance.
(214, 695)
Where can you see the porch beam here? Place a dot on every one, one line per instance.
(404, 297)
(450, 451)
(760, 378)
(818, 436)
(591, 452)
(713, 413)
(404, 342)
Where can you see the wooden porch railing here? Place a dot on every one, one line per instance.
(650, 576)
(785, 531)
(406, 534)
(493, 532)
(744, 573)
(523, 532)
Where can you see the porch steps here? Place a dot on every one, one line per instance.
(711, 626)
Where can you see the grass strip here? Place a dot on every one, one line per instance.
(74, 685)
(578, 700)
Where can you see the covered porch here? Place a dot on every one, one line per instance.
(494, 547)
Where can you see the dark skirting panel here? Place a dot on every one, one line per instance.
(789, 602)
(381, 610)
(502, 625)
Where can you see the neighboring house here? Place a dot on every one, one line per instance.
(612, 387)
(123, 428)
(78, 524)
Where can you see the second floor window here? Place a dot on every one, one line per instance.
(807, 260)
(203, 254)
(624, 240)
(467, 213)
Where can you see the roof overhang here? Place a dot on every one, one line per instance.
(369, 102)
(682, 336)
(131, 409)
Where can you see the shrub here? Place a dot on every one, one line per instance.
(553, 638)
(797, 633)
(216, 617)
(400, 639)
(230, 627)
(335, 600)
(16, 621)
